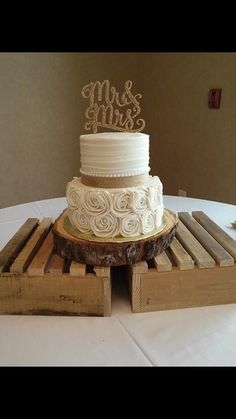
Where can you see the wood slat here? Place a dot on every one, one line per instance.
(38, 264)
(53, 295)
(140, 267)
(55, 265)
(193, 247)
(15, 244)
(163, 263)
(26, 255)
(188, 288)
(102, 271)
(136, 270)
(136, 292)
(77, 269)
(220, 255)
(217, 232)
(180, 256)
(107, 296)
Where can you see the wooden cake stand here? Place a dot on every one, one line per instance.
(68, 244)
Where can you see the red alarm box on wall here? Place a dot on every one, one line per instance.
(214, 98)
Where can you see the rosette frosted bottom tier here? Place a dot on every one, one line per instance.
(115, 212)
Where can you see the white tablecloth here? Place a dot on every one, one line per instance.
(196, 336)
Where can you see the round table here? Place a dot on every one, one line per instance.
(195, 336)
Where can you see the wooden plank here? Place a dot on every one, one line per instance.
(38, 264)
(107, 296)
(102, 271)
(180, 256)
(24, 258)
(220, 255)
(188, 288)
(15, 244)
(55, 265)
(136, 270)
(193, 247)
(136, 293)
(77, 269)
(162, 262)
(217, 232)
(140, 267)
(62, 294)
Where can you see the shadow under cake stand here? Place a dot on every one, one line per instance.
(69, 244)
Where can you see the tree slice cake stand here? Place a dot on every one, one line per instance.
(70, 244)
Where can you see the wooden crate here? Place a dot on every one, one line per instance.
(34, 280)
(198, 269)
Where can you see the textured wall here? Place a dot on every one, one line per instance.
(192, 147)
(41, 118)
(39, 125)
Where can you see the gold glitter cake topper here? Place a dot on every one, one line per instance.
(108, 109)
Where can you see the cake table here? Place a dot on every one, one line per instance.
(193, 336)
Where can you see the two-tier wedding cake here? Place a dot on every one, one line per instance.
(115, 197)
(115, 214)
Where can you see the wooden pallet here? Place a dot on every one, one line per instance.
(198, 269)
(34, 280)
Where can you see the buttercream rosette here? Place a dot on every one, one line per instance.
(130, 225)
(148, 221)
(115, 212)
(97, 202)
(139, 201)
(80, 220)
(73, 195)
(121, 203)
(105, 225)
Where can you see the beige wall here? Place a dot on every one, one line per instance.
(39, 114)
(41, 118)
(192, 147)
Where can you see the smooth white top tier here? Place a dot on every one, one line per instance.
(111, 154)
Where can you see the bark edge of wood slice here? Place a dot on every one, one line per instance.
(112, 254)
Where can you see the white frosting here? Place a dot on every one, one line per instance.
(115, 212)
(130, 226)
(112, 154)
(148, 221)
(105, 225)
(96, 202)
(80, 219)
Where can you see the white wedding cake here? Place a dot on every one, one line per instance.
(115, 197)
